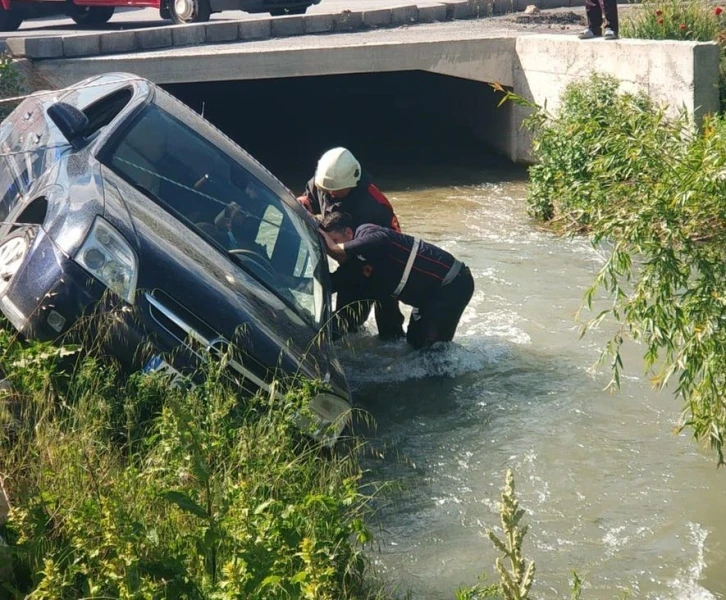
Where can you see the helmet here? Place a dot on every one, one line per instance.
(337, 169)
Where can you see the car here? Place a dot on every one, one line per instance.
(97, 12)
(126, 212)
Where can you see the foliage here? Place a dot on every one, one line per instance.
(515, 582)
(651, 192)
(692, 20)
(588, 139)
(12, 84)
(131, 488)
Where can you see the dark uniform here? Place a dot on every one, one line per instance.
(366, 204)
(417, 273)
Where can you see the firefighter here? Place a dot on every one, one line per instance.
(405, 268)
(340, 185)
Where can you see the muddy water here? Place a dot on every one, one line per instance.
(610, 489)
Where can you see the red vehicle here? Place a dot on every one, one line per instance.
(97, 12)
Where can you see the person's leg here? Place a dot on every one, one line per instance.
(437, 320)
(610, 8)
(351, 311)
(593, 10)
(389, 319)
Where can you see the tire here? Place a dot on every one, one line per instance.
(281, 12)
(10, 20)
(14, 247)
(92, 15)
(189, 11)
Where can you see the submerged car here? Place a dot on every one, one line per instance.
(120, 201)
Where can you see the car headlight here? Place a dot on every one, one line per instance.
(107, 256)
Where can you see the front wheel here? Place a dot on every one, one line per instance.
(14, 247)
(10, 20)
(91, 15)
(189, 11)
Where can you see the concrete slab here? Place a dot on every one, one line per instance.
(223, 31)
(481, 8)
(404, 15)
(188, 35)
(431, 13)
(154, 37)
(254, 30)
(288, 25)
(45, 47)
(81, 45)
(381, 17)
(347, 21)
(458, 9)
(318, 23)
(116, 42)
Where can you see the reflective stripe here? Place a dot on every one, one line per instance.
(453, 272)
(409, 265)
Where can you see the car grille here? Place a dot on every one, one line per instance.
(196, 337)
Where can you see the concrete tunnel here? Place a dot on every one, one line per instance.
(397, 124)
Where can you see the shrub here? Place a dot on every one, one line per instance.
(651, 194)
(134, 489)
(589, 143)
(12, 84)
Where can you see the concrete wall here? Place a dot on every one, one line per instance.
(676, 75)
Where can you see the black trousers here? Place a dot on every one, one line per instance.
(438, 318)
(353, 305)
(594, 10)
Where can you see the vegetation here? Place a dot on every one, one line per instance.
(693, 20)
(136, 489)
(650, 192)
(12, 84)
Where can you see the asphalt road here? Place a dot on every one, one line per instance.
(135, 18)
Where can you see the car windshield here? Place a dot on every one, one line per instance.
(215, 195)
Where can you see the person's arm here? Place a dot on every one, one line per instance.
(380, 212)
(336, 251)
(309, 199)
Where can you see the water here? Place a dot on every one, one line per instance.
(611, 490)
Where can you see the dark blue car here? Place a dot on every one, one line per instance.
(125, 209)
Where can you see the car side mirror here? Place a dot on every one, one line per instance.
(71, 122)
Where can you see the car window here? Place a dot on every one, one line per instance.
(215, 195)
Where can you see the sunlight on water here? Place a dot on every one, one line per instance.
(610, 490)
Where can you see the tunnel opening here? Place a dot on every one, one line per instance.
(399, 125)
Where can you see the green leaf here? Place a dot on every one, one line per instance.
(185, 503)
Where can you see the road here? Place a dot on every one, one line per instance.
(134, 18)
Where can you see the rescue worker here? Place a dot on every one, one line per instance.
(432, 281)
(340, 185)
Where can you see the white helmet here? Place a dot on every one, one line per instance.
(337, 170)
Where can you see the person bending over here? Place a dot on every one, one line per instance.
(340, 185)
(399, 266)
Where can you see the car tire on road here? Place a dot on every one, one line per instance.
(10, 20)
(14, 247)
(189, 11)
(91, 15)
